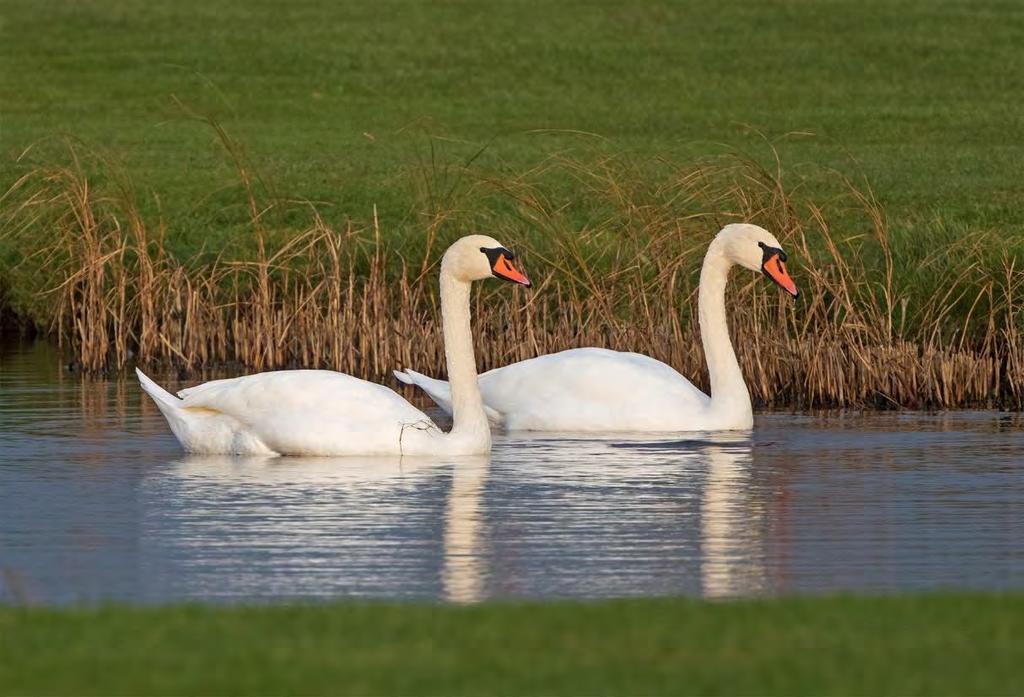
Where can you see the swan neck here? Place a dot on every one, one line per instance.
(468, 417)
(728, 390)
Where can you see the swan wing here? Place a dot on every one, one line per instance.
(311, 412)
(593, 389)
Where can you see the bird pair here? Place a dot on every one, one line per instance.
(320, 412)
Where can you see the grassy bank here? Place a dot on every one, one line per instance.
(883, 320)
(956, 644)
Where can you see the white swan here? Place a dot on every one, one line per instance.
(594, 389)
(321, 412)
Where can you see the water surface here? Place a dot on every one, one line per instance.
(97, 502)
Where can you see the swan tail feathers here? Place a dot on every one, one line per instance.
(437, 390)
(204, 429)
(164, 399)
(441, 393)
(170, 406)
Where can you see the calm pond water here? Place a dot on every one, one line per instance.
(97, 502)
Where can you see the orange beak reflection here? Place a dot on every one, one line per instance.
(503, 269)
(775, 269)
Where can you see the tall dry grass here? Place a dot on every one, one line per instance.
(614, 252)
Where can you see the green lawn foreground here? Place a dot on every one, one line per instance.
(930, 644)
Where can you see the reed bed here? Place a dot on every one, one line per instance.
(614, 249)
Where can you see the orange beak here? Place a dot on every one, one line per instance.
(503, 269)
(775, 269)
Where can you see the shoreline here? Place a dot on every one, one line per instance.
(62, 362)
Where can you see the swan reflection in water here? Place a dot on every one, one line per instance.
(708, 495)
(541, 516)
(272, 528)
(732, 551)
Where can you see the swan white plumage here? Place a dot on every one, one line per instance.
(322, 413)
(595, 389)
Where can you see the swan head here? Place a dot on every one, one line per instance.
(476, 257)
(758, 250)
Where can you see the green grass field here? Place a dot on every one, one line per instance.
(338, 102)
(934, 645)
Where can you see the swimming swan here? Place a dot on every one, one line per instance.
(321, 412)
(594, 389)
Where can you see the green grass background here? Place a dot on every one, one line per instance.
(340, 102)
(934, 645)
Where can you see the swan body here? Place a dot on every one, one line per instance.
(584, 389)
(599, 390)
(295, 412)
(325, 413)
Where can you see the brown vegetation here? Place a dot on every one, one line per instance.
(615, 263)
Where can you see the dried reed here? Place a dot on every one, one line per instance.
(615, 255)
